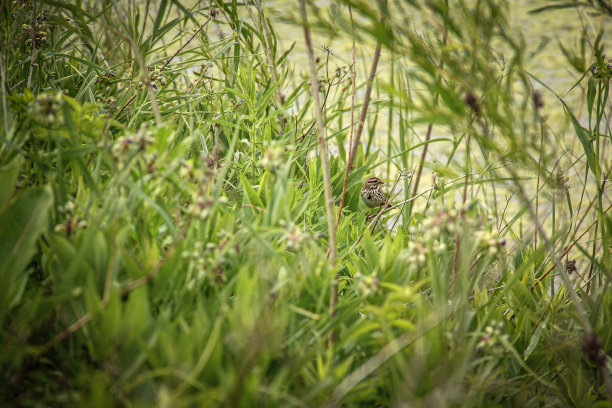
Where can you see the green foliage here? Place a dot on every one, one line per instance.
(181, 260)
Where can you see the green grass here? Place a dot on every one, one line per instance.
(164, 236)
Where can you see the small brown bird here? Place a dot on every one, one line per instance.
(371, 193)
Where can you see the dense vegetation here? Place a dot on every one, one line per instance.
(178, 226)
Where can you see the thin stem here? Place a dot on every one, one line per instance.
(387, 199)
(334, 295)
(304, 134)
(552, 281)
(4, 99)
(144, 21)
(143, 68)
(125, 106)
(581, 314)
(148, 80)
(395, 206)
(408, 176)
(34, 53)
(569, 247)
(268, 45)
(349, 161)
(421, 163)
(537, 206)
(599, 202)
(366, 103)
(329, 199)
(458, 239)
(430, 126)
(188, 41)
(427, 191)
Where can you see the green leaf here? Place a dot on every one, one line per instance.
(8, 177)
(157, 207)
(572, 4)
(250, 192)
(580, 131)
(285, 54)
(371, 252)
(591, 93)
(535, 339)
(185, 11)
(158, 20)
(20, 226)
(584, 140)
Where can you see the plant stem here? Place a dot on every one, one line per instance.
(329, 199)
(362, 117)
(349, 161)
(4, 99)
(143, 67)
(35, 28)
(580, 313)
(364, 108)
(429, 127)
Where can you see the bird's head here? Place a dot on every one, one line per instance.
(372, 182)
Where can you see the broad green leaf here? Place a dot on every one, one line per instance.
(21, 223)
